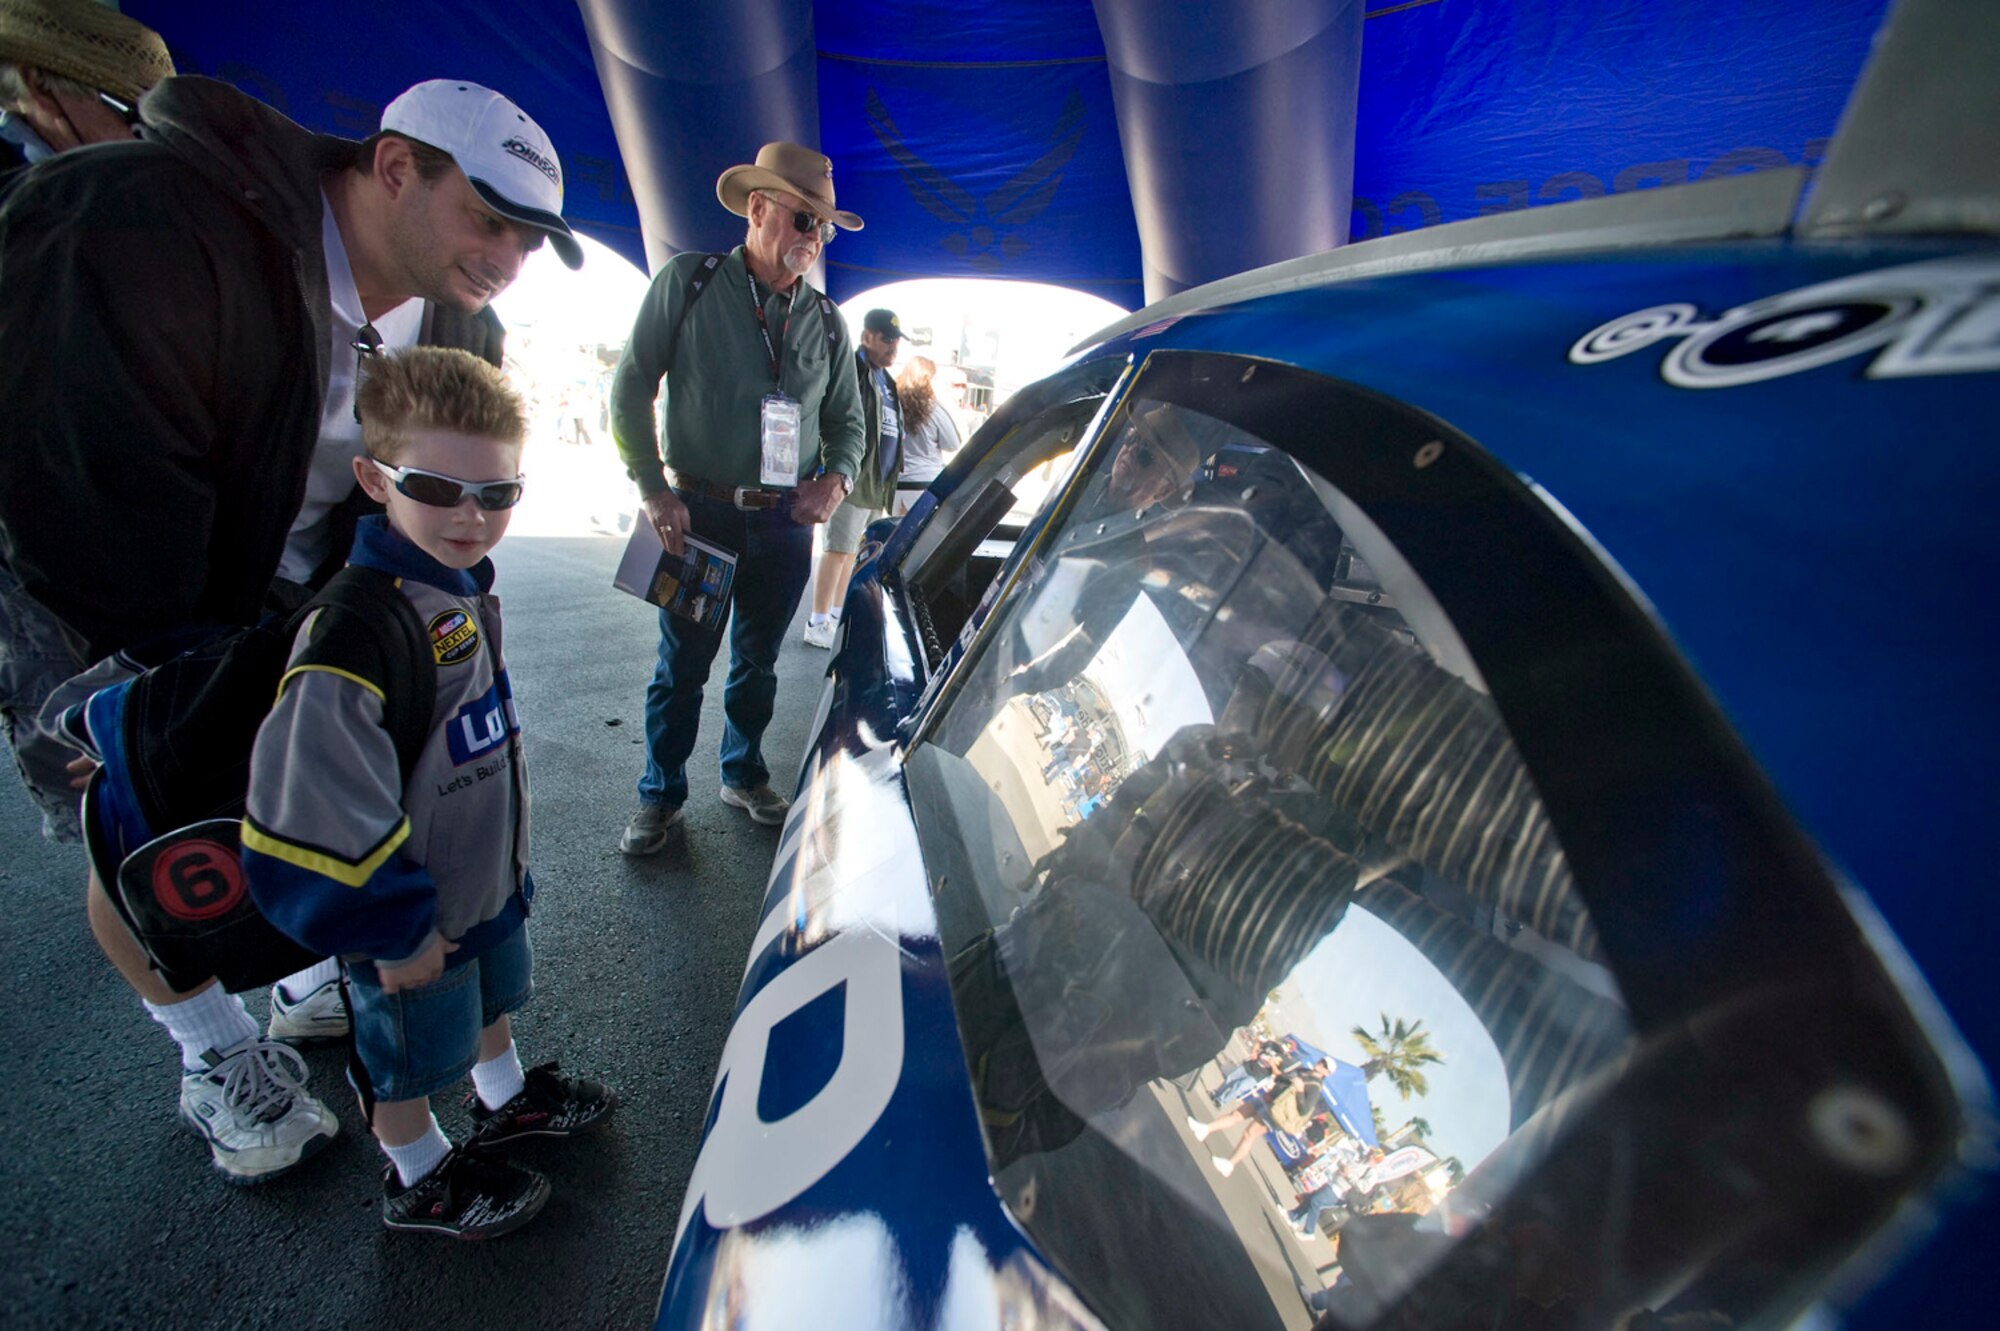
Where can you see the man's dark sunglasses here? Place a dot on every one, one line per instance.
(441, 491)
(805, 223)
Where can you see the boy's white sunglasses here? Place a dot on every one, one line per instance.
(441, 491)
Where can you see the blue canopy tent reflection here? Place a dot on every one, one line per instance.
(1344, 1092)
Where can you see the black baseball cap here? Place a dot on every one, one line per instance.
(882, 322)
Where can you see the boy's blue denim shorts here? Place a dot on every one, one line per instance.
(417, 1042)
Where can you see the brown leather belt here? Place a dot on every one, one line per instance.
(749, 498)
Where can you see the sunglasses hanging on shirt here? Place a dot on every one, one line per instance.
(367, 344)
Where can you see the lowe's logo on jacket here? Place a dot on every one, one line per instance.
(483, 724)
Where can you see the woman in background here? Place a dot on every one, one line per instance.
(930, 436)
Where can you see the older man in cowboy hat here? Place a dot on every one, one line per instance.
(71, 73)
(764, 436)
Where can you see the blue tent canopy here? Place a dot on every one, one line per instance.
(1094, 144)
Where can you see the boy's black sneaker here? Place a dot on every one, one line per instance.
(550, 1105)
(469, 1196)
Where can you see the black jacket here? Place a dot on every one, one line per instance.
(163, 348)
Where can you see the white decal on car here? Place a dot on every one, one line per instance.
(1938, 317)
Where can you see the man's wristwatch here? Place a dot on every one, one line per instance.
(846, 483)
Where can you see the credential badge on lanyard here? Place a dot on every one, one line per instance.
(778, 431)
(780, 437)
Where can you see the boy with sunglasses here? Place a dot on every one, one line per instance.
(422, 888)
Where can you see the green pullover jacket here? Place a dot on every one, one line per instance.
(718, 374)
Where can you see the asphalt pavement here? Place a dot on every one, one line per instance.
(113, 1217)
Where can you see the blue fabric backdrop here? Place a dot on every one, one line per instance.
(982, 141)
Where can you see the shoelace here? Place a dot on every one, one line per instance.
(257, 1083)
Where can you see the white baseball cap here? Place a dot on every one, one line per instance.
(510, 162)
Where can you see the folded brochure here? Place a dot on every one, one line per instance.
(694, 586)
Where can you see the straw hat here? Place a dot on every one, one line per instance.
(85, 41)
(782, 166)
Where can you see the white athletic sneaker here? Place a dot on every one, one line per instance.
(1223, 1165)
(1198, 1128)
(252, 1109)
(647, 831)
(320, 1015)
(762, 803)
(821, 634)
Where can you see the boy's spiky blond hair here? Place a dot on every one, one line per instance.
(435, 388)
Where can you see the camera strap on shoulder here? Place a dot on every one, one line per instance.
(699, 281)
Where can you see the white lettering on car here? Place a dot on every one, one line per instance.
(1936, 317)
(847, 899)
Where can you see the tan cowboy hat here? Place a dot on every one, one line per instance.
(783, 166)
(83, 40)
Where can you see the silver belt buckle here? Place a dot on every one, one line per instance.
(743, 490)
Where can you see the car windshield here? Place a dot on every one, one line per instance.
(1261, 940)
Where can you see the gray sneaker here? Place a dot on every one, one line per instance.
(762, 803)
(251, 1107)
(647, 831)
(320, 1015)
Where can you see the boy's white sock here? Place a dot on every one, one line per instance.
(499, 1079)
(415, 1162)
(212, 1019)
(817, 618)
(300, 983)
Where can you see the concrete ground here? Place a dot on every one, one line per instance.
(113, 1217)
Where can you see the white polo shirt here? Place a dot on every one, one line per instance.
(332, 473)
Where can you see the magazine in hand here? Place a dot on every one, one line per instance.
(694, 586)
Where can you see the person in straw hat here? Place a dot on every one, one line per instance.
(71, 72)
(183, 317)
(764, 436)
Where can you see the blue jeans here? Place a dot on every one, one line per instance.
(774, 558)
(1306, 1215)
(417, 1042)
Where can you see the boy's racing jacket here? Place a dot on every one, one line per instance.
(340, 854)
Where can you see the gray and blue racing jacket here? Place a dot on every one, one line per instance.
(340, 853)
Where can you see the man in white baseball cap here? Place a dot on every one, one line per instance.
(505, 156)
(183, 317)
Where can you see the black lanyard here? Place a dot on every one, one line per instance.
(764, 328)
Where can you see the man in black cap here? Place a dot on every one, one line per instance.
(181, 321)
(875, 486)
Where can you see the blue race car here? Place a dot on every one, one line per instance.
(1536, 662)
